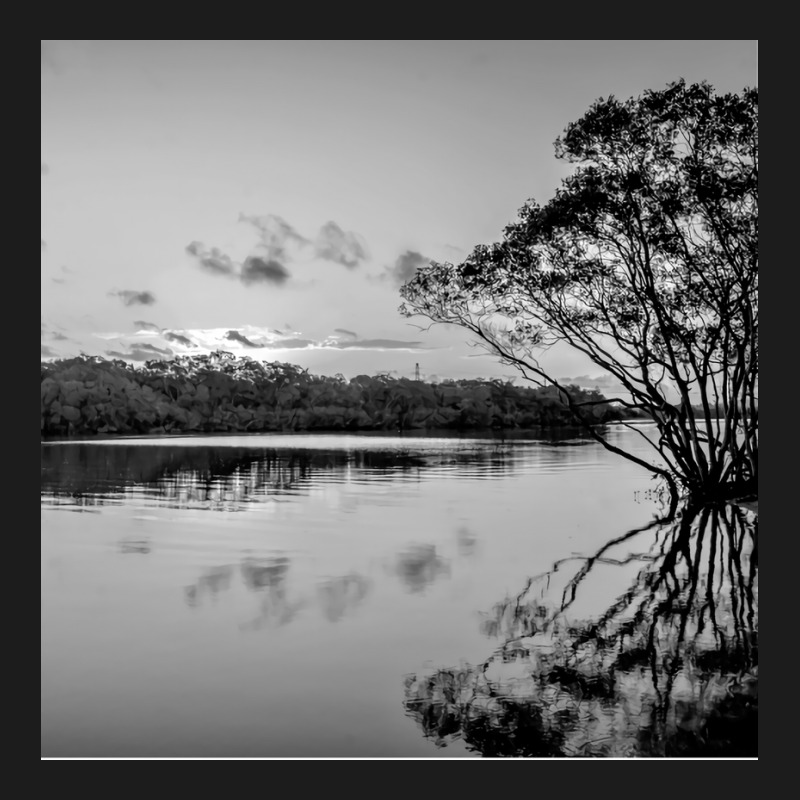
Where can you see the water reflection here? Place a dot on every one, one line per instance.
(162, 612)
(340, 596)
(466, 541)
(83, 475)
(669, 668)
(209, 585)
(419, 566)
(138, 546)
(267, 578)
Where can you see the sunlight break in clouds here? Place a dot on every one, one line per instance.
(258, 343)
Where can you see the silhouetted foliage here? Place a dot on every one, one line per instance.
(220, 393)
(646, 261)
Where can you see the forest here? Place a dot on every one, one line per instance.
(89, 395)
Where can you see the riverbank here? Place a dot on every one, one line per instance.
(220, 393)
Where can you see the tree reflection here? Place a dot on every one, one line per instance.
(209, 585)
(670, 669)
(419, 566)
(83, 475)
(339, 596)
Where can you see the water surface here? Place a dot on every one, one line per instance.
(303, 595)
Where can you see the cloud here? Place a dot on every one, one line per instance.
(176, 337)
(45, 169)
(255, 269)
(333, 244)
(247, 339)
(47, 330)
(140, 352)
(235, 336)
(278, 243)
(259, 270)
(64, 269)
(213, 260)
(153, 349)
(141, 325)
(345, 332)
(276, 235)
(48, 351)
(131, 298)
(406, 266)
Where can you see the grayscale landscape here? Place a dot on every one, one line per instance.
(399, 399)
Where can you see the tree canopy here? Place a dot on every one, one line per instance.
(646, 261)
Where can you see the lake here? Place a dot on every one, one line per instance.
(373, 596)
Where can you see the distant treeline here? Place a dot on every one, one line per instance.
(219, 392)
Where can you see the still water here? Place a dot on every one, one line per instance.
(377, 596)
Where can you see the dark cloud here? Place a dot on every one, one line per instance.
(131, 298)
(48, 351)
(45, 169)
(44, 244)
(213, 260)
(276, 235)
(151, 348)
(59, 337)
(235, 336)
(177, 337)
(140, 352)
(259, 270)
(135, 355)
(345, 332)
(141, 325)
(406, 266)
(333, 244)
(254, 270)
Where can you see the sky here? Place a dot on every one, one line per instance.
(268, 198)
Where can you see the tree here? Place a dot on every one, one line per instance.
(646, 261)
